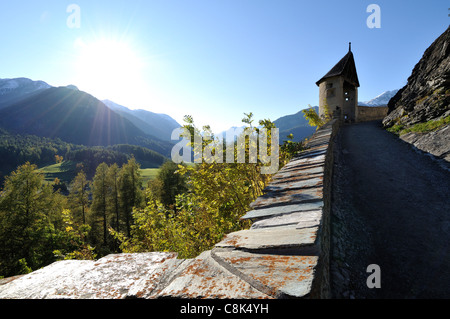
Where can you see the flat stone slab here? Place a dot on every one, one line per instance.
(280, 210)
(110, 277)
(300, 220)
(270, 238)
(297, 174)
(288, 196)
(314, 182)
(311, 153)
(276, 275)
(318, 142)
(298, 162)
(203, 277)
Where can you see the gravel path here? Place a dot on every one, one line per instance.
(391, 207)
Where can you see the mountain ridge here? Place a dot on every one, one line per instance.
(75, 117)
(156, 124)
(14, 90)
(380, 100)
(420, 111)
(426, 96)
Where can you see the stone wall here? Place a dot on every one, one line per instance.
(285, 253)
(370, 113)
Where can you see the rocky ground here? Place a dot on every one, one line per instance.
(390, 208)
(436, 143)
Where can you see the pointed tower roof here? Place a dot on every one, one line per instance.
(345, 67)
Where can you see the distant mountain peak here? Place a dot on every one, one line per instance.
(155, 124)
(380, 100)
(13, 90)
(25, 84)
(72, 87)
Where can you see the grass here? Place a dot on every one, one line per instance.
(426, 127)
(66, 171)
(148, 174)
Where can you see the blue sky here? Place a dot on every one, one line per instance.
(214, 59)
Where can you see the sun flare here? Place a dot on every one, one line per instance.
(106, 67)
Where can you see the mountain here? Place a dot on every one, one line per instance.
(75, 117)
(420, 111)
(426, 96)
(295, 124)
(380, 100)
(232, 131)
(158, 125)
(14, 90)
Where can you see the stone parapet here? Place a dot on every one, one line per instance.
(370, 113)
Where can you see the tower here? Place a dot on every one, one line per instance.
(338, 90)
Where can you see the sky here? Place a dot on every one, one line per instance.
(215, 59)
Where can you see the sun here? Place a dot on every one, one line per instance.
(107, 68)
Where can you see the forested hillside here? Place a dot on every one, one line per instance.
(17, 149)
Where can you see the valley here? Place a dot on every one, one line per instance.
(67, 171)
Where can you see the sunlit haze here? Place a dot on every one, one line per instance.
(214, 60)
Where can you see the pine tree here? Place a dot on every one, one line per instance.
(79, 195)
(168, 184)
(130, 190)
(100, 196)
(113, 200)
(30, 215)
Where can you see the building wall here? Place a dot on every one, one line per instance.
(370, 113)
(331, 94)
(349, 102)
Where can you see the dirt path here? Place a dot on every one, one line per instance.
(391, 207)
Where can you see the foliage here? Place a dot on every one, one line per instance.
(313, 118)
(17, 149)
(92, 157)
(79, 196)
(130, 190)
(425, 127)
(58, 159)
(100, 192)
(76, 246)
(142, 154)
(217, 195)
(288, 149)
(30, 220)
(326, 111)
(168, 184)
(195, 227)
(396, 128)
(115, 192)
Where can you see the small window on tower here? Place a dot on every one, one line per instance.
(330, 92)
(329, 85)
